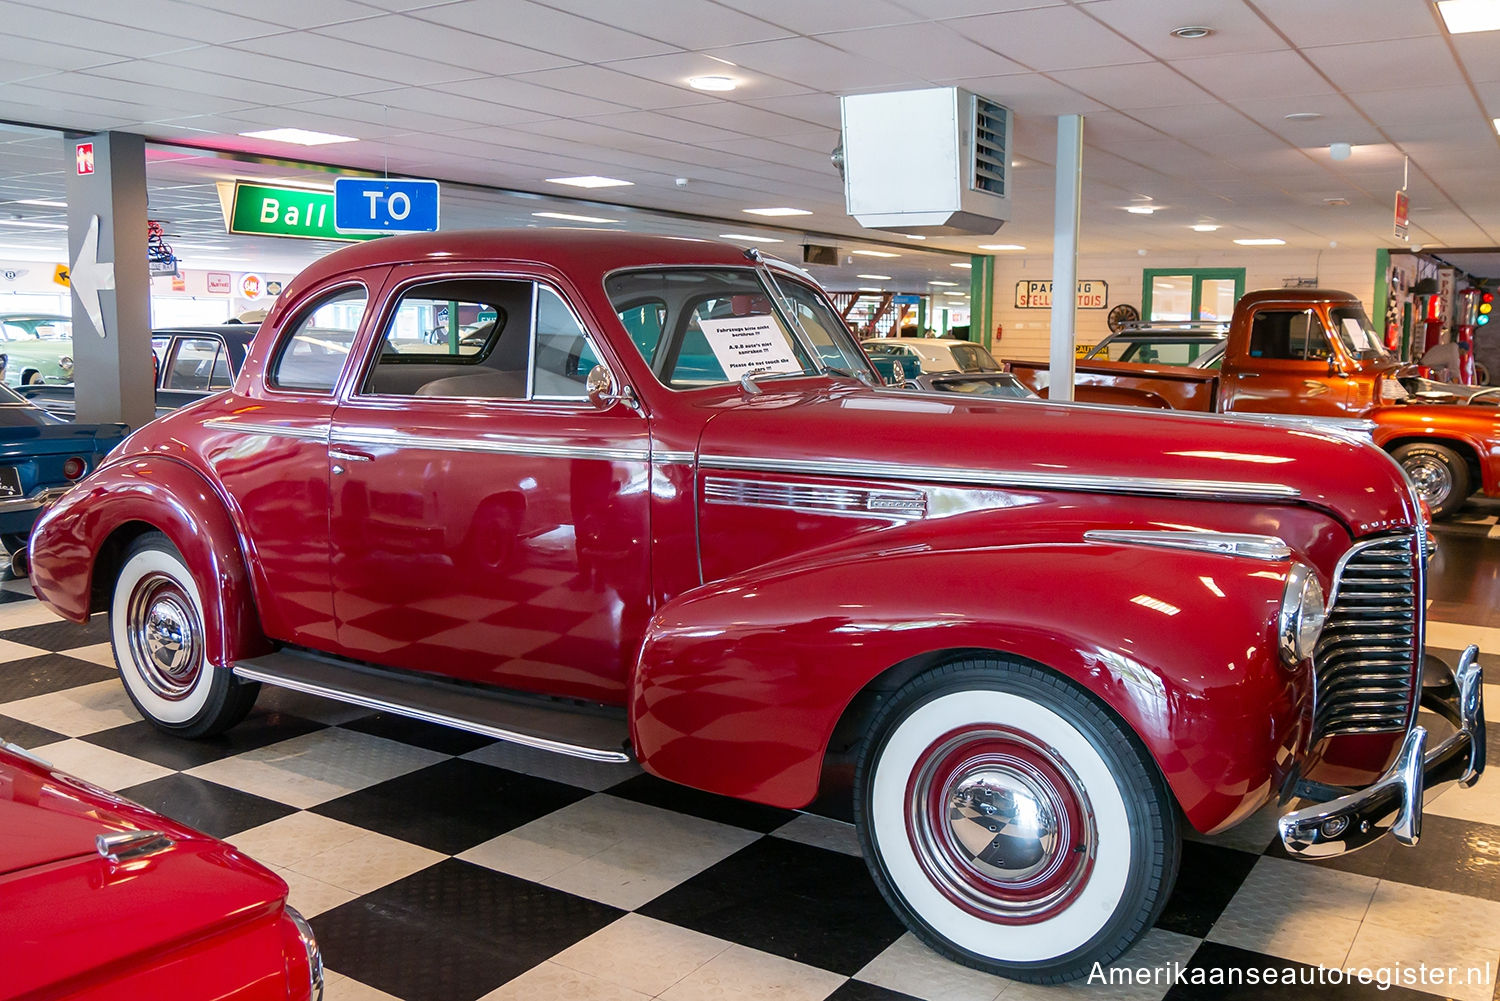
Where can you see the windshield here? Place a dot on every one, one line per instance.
(709, 326)
(1156, 350)
(1359, 338)
(1004, 385)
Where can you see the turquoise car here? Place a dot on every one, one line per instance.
(36, 348)
(897, 364)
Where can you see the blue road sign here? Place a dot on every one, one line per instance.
(906, 300)
(370, 205)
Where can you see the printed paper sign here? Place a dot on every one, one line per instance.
(749, 344)
(1357, 335)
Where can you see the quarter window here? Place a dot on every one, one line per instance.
(563, 354)
(313, 355)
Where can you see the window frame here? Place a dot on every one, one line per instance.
(288, 333)
(174, 348)
(1198, 276)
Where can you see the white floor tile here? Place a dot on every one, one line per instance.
(551, 982)
(1387, 950)
(1296, 911)
(18, 651)
(641, 953)
(312, 897)
(367, 863)
(293, 839)
(98, 653)
(99, 765)
(346, 988)
(738, 972)
(910, 967)
(596, 776)
(20, 614)
(77, 711)
(1150, 966)
(820, 832)
(317, 767)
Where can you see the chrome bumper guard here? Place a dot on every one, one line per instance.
(35, 501)
(1393, 803)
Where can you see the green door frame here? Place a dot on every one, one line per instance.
(1199, 276)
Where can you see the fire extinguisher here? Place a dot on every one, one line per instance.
(999, 331)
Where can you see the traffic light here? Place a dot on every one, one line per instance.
(1486, 305)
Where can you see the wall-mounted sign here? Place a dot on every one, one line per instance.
(179, 283)
(1402, 208)
(251, 286)
(275, 210)
(273, 289)
(906, 300)
(1038, 295)
(372, 205)
(60, 275)
(219, 282)
(14, 274)
(83, 157)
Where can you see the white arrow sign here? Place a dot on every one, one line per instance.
(92, 277)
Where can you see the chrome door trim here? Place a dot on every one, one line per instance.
(317, 434)
(489, 446)
(668, 455)
(815, 498)
(902, 473)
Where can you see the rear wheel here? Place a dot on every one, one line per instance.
(1440, 475)
(1013, 823)
(31, 377)
(156, 631)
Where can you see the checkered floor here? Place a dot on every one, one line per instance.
(440, 866)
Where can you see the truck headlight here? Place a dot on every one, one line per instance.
(1303, 613)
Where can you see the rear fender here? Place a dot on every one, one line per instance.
(71, 547)
(741, 683)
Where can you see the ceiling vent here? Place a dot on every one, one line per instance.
(933, 162)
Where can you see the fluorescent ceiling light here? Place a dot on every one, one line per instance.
(747, 238)
(1001, 246)
(28, 224)
(1496, 123)
(914, 236)
(1204, 227)
(42, 202)
(875, 278)
(781, 210)
(1261, 243)
(1140, 209)
(1462, 16)
(717, 83)
(571, 218)
(299, 137)
(948, 284)
(959, 294)
(866, 288)
(874, 253)
(590, 181)
(966, 267)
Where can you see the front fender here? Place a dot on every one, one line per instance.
(741, 683)
(150, 492)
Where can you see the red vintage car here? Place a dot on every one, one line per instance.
(621, 496)
(101, 899)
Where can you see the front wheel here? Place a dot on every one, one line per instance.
(1013, 823)
(156, 632)
(1440, 475)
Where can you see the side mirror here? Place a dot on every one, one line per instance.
(604, 392)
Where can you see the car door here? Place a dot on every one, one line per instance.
(1285, 366)
(488, 522)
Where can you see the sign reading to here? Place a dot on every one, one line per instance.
(219, 282)
(272, 210)
(1402, 208)
(83, 156)
(744, 344)
(1038, 295)
(366, 205)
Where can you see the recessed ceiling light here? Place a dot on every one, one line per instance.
(875, 278)
(963, 265)
(1140, 209)
(1001, 246)
(718, 83)
(1204, 227)
(747, 238)
(914, 236)
(590, 181)
(1261, 243)
(948, 284)
(1463, 16)
(1336, 202)
(959, 294)
(1302, 116)
(866, 288)
(45, 203)
(874, 253)
(571, 218)
(781, 210)
(299, 137)
(1191, 31)
(28, 224)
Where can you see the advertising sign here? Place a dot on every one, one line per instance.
(1402, 207)
(277, 210)
(251, 286)
(1038, 295)
(219, 282)
(371, 205)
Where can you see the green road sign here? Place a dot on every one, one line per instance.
(274, 210)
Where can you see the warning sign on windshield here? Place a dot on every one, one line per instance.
(744, 344)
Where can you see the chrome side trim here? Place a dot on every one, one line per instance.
(271, 430)
(21, 752)
(45, 497)
(491, 446)
(815, 498)
(901, 473)
(381, 705)
(1259, 547)
(667, 455)
(313, 952)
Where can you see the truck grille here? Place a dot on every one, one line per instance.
(1366, 660)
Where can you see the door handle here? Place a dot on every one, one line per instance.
(1249, 375)
(348, 454)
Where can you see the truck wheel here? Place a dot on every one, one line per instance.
(1441, 475)
(1013, 823)
(156, 631)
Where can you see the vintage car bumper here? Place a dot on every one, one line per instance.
(1393, 803)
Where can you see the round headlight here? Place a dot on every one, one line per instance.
(1303, 613)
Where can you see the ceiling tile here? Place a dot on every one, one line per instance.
(1138, 85)
(1252, 77)
(675, 68)
(323, 49)
(535, 26)
(1367, 65)
(1051, 38)
(830, 15)
(457, 47)
(1236, 27)
(529, 97)
(86, 32)
(1319, 23)
(703, 24)
(1032, 94)
(817, 66)
(256, 66)
(934, 50)
(622, 88)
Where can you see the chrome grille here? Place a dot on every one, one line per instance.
(1366, 660)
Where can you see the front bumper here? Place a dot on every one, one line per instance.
(1392, 804)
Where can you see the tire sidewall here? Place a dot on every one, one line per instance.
(1458, 473)
(182, 714)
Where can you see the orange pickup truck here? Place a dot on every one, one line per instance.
(1306, 352)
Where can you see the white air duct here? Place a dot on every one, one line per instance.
(927, 161)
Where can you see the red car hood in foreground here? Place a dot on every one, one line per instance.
(1027, 444)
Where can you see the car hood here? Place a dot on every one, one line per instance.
(870, 434)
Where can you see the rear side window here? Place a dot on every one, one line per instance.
(200, 364)
(313, 354)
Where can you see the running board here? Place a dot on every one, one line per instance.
(578, 733)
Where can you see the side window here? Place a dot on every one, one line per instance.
(199, 365)
(313, 355)
(458, 337)
(564, 356)
(644, 324)
(1288, 335)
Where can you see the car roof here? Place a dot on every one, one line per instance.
(229, 331)
(915, 340)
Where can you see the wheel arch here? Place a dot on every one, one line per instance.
(1463, 446)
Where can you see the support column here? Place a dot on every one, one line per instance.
(922, 316)
(112, 364)
(981, 299)
(1065, 255)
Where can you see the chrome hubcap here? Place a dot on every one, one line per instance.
(166, 637)
(1002, 824)
(1431, 478)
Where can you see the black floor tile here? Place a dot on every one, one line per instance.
(858, 990)
(1459, 856)
(1206, 882)
(1224, 973)
(7, 595)
(61, 635)
(453, 932)
(453, 805)
(653, 791)
(207, 806)
(27, 735)
(21, 679)
(443, 739)
(815, 906)
(144, 741)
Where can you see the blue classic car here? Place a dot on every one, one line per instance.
(40, 458)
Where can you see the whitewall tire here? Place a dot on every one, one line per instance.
(1013, 822)
(156, 632)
